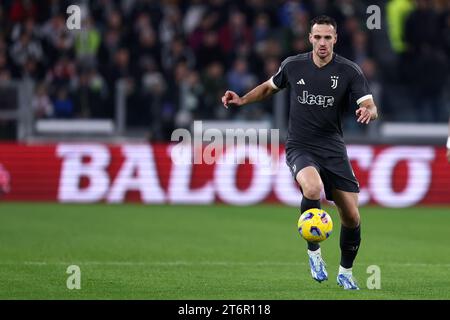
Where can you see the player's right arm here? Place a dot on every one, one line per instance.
(261, 92)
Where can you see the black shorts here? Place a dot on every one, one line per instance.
(336, 172)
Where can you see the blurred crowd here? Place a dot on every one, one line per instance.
(176, 58)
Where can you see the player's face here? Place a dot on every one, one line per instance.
(323, 37)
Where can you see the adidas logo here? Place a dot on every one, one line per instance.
(301, 81)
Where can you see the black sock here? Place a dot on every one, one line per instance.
(350, 240)
(306, 205)
(309, 204)
(312, 246)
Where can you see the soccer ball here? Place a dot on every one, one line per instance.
(315, 225)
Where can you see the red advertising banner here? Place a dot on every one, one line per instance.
(391, 176)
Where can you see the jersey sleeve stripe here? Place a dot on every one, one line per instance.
(300, 57)
(273, 84)
(349, 63)
(363, 98)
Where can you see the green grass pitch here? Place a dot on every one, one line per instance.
(136, 251)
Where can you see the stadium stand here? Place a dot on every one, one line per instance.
(174, 59)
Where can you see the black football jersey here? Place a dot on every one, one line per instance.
(318, 99)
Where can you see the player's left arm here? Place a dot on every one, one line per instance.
(360, 90)
(367, 111)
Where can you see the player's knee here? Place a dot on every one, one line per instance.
(351, 219)
(311, 190)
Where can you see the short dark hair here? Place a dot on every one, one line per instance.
(323, 19)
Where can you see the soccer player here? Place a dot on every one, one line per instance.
(322, 84)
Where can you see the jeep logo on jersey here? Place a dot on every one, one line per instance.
(324, 101)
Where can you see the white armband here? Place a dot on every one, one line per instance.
(448, 143)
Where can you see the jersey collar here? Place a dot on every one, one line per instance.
(323, 67)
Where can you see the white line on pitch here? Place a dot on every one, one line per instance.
(201, 263)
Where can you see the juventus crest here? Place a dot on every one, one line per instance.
(334, 82)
